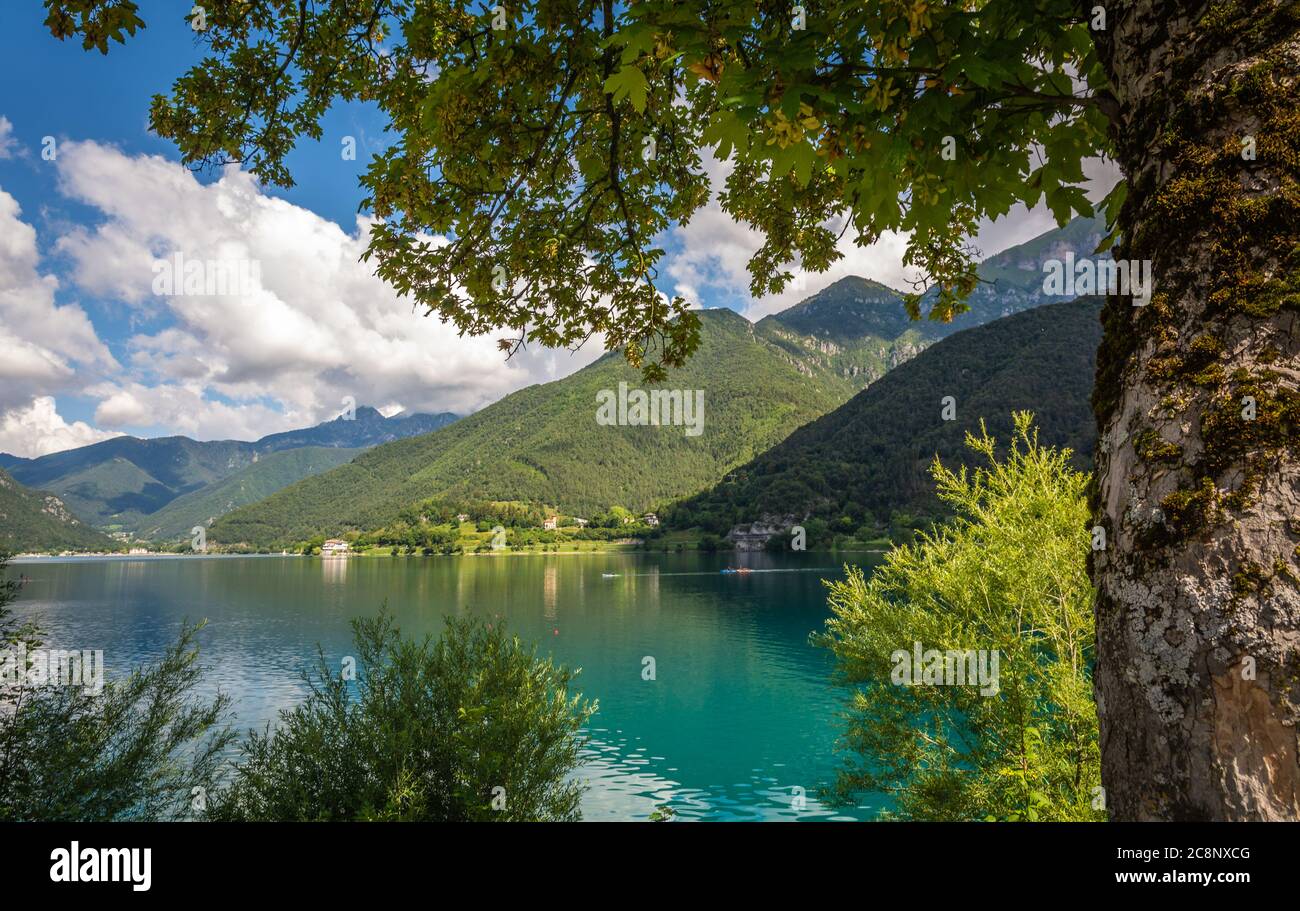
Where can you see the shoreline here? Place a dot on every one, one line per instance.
(93, 557)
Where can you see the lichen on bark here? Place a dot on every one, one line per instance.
(1198, 407)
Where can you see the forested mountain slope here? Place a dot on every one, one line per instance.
(871, 455)
(543, 444)
(121, 482)
(35, 520)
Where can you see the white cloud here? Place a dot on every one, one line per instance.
(317, 326)
(184, 408)
(45, 346)
(38, 429)
(710, 254)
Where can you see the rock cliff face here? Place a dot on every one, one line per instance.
(754, 535)
(36, 520)
(55, 507)
(904, 351)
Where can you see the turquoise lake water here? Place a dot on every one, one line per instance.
(740, 723)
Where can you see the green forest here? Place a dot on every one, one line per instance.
(870, 458)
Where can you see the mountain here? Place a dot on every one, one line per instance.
(107, 482)
(37, 520)
(1012, 281)
(367, 428)
(119, 482)
(1021, 266)
(543, 444)
(858, 329)
(872, 454)
(854, 330)
(848, 310)
(263, 477)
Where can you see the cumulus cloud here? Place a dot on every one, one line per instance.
(184, 408)
(314, 326)
(38, 429)
(46, 346)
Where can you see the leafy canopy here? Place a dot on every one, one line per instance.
(542, 148)
(1008, 573)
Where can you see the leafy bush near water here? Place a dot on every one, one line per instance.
(1007, 573)
(472, 726)
(429, 731)
(143, 748)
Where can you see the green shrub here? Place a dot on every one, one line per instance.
(1008, 573)
(142, 748)
(473, 726)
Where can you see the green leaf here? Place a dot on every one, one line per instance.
(1111, 205)
(636, 40)
(629, 82)
(727, 132)
(804, 159)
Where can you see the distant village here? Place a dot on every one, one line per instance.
(417, 531)
(553, 522)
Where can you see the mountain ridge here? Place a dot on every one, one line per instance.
(540, 445)
(1011, 281)
(117, 483)
(249, 484)
(869, 458)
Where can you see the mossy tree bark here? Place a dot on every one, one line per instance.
(1197, 401)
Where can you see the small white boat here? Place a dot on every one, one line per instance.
(609, 575)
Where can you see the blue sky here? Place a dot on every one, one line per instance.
(79, 208)
(58, 89)
(86, 351)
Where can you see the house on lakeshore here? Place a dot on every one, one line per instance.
(581, 523)
(334, 548)
(550, 523)
(650, 519)
(462, 517)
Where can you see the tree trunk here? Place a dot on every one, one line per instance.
(1197, 403)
